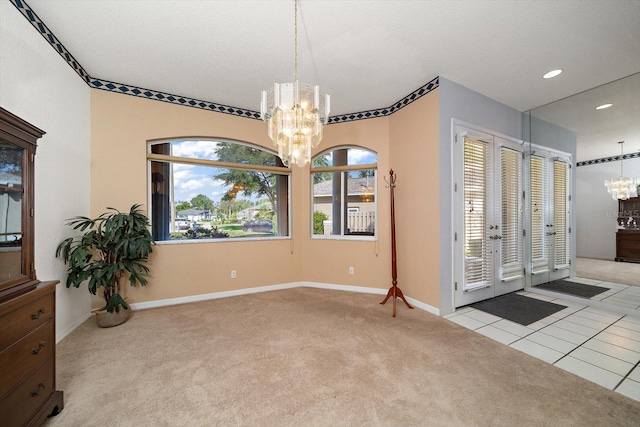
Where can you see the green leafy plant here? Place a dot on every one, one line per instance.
(114, 245)
(318, 222)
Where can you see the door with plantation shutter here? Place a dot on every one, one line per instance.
(550, 215)
(488, 216)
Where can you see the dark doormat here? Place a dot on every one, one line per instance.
(518, 308)
(573, 288)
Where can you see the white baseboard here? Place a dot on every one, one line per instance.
(422, 306)
(214, 295)
(377, 291)
(347, 288)
(61, 334)
(226, 294)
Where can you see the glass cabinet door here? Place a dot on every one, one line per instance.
(17, 154)
(11, 207)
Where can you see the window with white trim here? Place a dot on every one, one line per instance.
(344, 193)
(216, 189)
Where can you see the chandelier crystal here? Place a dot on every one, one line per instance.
(295, 114)
(624, 187)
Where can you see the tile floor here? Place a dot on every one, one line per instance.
(597, 344)
(621, 295)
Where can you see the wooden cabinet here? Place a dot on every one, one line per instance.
(27, 306)
(628, 245)
(628, 235)
(27, 358)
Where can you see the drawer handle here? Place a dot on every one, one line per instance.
(36, 316)
(35, 350)
(36, 392)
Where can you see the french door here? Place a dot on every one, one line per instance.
(549, 174)
(488, 216)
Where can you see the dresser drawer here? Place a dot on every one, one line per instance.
(628, 245)
(18, 360)
(20, 405)
(25, 318)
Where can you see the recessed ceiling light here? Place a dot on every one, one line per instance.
(603, 106)
(551, 74)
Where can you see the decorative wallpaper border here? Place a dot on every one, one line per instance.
(155, 95)
(381, 112)
(608, 159)
(172, 99)
(37, 23)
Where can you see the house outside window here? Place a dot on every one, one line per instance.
(343, 193)
(216, 189)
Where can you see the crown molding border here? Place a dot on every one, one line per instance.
(155, 95)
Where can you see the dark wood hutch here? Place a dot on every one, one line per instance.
(628, 235)
(27, 306)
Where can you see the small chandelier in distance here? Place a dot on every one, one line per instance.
(295, 114)
(624, 187)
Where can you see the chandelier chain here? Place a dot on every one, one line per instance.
(295, 113)
(295, 42)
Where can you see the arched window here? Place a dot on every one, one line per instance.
(216, 189)
(344, 193)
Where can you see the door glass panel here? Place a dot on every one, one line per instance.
(539, 249)
(478, 268)
(512, 253)
(561, 251)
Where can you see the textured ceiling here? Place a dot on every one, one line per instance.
(365, 54)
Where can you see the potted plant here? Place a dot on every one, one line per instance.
(110, 247)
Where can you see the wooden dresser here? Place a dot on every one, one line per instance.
(27, 358)
(628, 236)
(628, 245)
(27, 306)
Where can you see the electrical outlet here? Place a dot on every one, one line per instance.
(233, 274)
(351, 270)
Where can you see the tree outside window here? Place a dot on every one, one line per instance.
(211, 189)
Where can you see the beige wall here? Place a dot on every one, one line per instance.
(121, 127)
(414, 141)
(328, 261)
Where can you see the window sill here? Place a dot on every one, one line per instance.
(223, 239)
(352, 237)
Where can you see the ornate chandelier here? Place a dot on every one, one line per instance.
(624, 187)
(295, 113)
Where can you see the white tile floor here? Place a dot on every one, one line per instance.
(620, 295)
(599, 345)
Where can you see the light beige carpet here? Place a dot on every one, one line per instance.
(627, 273)
(313, 357)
